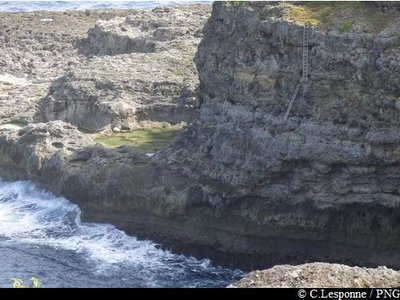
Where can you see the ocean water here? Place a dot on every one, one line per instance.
(21, 6)
(42, 236)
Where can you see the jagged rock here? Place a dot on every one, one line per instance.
(100, 95)
(386, 6)
(82, 155)
(38, 53)
(154, 81)
(160, 29)
(320, 275)
(327, 178)
(240, 185)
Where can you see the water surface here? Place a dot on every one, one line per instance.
(21, 6)
(42, 236)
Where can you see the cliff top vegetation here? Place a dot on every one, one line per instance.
(344, 16)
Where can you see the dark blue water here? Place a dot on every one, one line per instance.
(20, 6)
(42, 236)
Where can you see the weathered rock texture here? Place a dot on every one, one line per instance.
(320, 275)
(161, 29)
(328, 176)
(386, 5)
(60, 157)
(142, 71)
(240, 185)
(37, 48)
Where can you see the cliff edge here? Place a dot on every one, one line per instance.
(324, 183)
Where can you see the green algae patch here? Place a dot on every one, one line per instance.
(148, 140)
(343, 16)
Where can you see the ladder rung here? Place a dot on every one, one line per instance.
(292, 101)
(305, 72)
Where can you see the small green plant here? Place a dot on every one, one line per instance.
(345, 27)
(17, 283)
(35, 283)
(357, 4)
(237, 4)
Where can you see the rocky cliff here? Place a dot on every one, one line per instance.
(240, 184)
(320, 275)
(139, 69)
(387, 5)
(36, 49)
(325, 179)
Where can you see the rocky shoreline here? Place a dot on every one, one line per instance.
(321, 275)
(238, 185)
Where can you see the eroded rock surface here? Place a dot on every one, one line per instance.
(240, 185)
(320, 275)
(142, 72)
(66, 161)
(37, 52)
(147, 88)
(161, 29)
(329, 174)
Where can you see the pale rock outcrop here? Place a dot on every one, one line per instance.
(35, 53)
(141, 72)
(320, 275)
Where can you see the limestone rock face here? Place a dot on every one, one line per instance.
(141, 71)
(35, 53)
(64, 160)
(99, 94)
(320, 275)
(160, 29)
(386, 6)
(239, 185)
(329, 174)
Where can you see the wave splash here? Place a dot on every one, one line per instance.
(34, 217)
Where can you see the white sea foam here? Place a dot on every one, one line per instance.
(31, 216)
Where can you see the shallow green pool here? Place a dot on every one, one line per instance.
(148, 140)
(14, 125)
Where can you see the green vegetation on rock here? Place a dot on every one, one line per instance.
(341, 16)
(237, 4)
(148, 140)
(345, 27)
